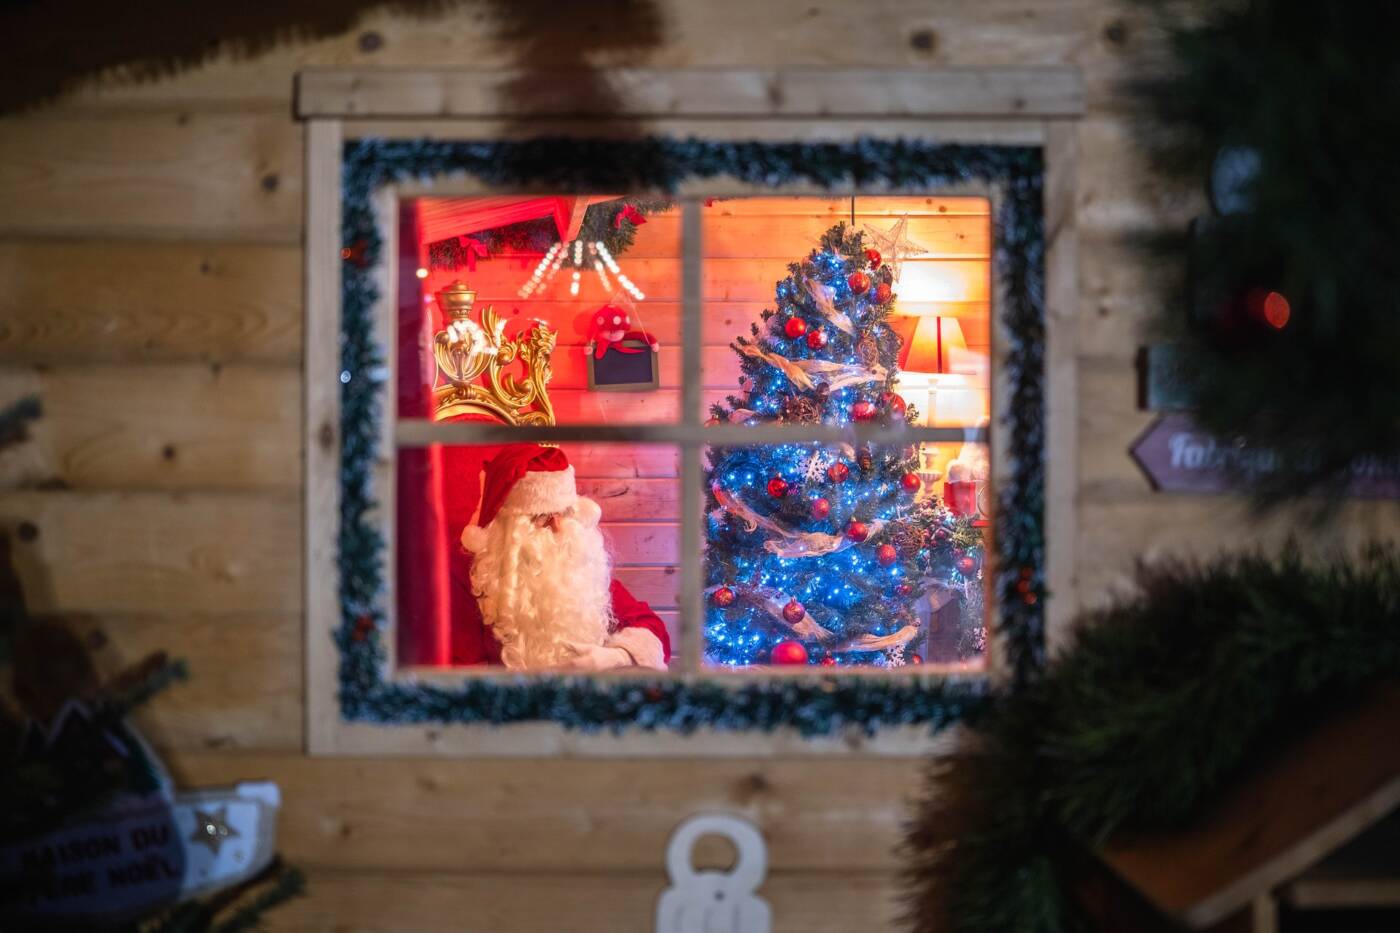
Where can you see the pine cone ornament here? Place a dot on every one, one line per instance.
(867, 351)
(801, 409)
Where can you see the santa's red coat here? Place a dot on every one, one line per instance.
(474, 643)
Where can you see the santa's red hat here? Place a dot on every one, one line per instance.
(523, 479)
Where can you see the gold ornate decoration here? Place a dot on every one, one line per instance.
(466, 350)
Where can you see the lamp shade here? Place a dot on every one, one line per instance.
(927, 342)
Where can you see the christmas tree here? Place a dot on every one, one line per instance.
(821, 554)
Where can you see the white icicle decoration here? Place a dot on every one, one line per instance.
(826, 306)
(788, 368)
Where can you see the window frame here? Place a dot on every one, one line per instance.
(331, 730)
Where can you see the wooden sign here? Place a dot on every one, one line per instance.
(1178, 456)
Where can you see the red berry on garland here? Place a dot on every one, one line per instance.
(883, 293)
(916, 659)
(838, 472)
(910, 482)
(794, 611)
(777, 487)
(864, 411)
(859, 282)
(857, 531)
(967, 566)
(872, 256)
(904, 591)
(828, 661)
(363, 626)
(722, 597)
(816, 339)
(795, 327)
(788, 652)
(821, 508)
(886, 554)
(894, 404)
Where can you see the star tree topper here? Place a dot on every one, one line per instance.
(894, 244)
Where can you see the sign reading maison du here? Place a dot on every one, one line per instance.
(1178, 456)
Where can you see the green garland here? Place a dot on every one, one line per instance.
(1307, 90)
(1110, 739)
(816, 705)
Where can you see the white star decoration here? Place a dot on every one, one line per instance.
(894, 244)
(212, 828)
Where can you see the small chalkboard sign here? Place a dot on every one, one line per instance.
(620, 371)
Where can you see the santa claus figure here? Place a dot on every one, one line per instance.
(542, 576)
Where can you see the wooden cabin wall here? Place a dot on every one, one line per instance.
(151, 263)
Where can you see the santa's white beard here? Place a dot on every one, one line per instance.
(542, 590)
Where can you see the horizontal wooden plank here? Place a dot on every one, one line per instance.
(659, 586)
(245, 683)
(722, 320)
(1118, 193)
(1125, 287)
(108, 300)
(629, 499)
(639, 92)
(730, 233)
(172, 175)
(622, 461)
(1114, 535)
(502, 815)
(498, 280)
(156, 552)
(581, 901)
(167, 426)
(654, 544)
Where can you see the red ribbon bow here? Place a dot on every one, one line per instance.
(628, 213)
(473, 248)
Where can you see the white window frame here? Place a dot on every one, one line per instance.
(1034, 107)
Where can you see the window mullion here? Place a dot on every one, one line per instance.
(692, 582)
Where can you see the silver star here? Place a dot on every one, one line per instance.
(894, 244)
(212, 828)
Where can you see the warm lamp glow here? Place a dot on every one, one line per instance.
(925, 350)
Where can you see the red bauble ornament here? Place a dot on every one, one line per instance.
(857, 531)
(967, 566)
(795, 327)
(941, 535)
(788, 652)
(722, 597)
(904, 590)
(894, 404)
(886, 554)
(838, 472)
(821, 508)
(794, 612)
(910, 482)
(864, 411)
(816, 339)
(777, 487)
(828, 661)
(883, 293)
(872, 256)
(859, 283)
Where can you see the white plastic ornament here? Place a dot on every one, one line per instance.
(715, 901)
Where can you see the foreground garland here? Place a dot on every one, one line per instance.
(1252, 646)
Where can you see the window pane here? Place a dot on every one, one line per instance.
(837, 555)
(831, 312)
(527, 587)
(598, 270)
